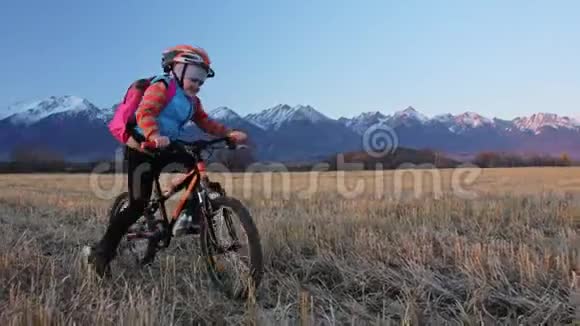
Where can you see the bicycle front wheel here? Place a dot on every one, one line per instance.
(230, 244)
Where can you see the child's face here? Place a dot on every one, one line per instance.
(190, 87)
(193, 78)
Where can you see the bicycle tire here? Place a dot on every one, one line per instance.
(115, 209)
(255, 249)
(117, 205)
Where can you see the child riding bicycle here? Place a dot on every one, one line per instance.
(161, 120)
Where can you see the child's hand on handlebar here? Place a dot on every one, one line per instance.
(161, 141)
(237, 136)
(156, 142)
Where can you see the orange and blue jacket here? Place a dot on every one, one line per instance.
(157, 117)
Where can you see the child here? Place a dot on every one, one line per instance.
(161, 123)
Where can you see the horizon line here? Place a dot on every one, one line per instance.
(575, 118)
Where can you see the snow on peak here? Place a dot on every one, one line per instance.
(30, 112)
(539, 120)
(444, 118)
(371, 115)
(462, 122)
(365, 120)
(472, 119)
(302, 112)
(411, 114)
(224, 113)
(276, 116)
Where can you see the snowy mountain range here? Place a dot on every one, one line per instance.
(275, 117)
(462, 122)
(28, 113)
(77, 129)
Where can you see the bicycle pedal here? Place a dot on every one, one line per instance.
(190, 231)
(194, 230)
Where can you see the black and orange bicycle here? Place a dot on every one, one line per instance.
(216, 213)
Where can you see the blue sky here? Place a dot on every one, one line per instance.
(499, 58)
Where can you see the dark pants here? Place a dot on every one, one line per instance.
(142, 171)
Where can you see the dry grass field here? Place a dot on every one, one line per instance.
(457, 247)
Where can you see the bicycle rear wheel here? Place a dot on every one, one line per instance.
(131, 252)
(230, 244)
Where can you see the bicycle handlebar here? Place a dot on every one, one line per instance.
(195, 146)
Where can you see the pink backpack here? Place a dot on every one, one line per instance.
(124, 116)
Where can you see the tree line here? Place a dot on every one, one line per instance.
(490, 159)
(41, 160)
(34, 159)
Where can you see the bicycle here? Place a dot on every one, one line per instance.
(206, 199)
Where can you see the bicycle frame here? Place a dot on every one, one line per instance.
(192, 181)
